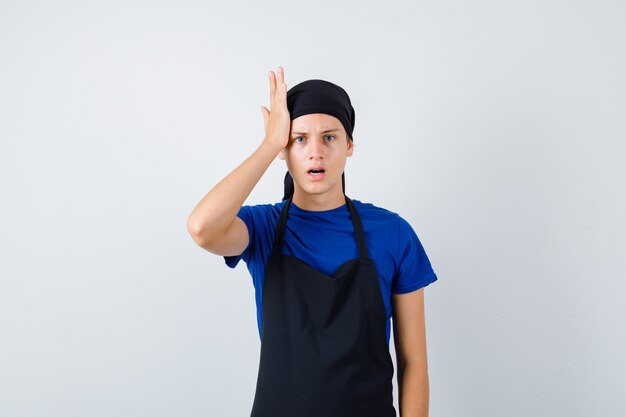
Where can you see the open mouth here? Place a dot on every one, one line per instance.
(316, 171)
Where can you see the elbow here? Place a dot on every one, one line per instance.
(197, 232)
(204, 237)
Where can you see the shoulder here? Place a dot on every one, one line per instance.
(263, 210)
(388, 225)
(259, 217)
(373, 213)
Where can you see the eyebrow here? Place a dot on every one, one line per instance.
(325, 131)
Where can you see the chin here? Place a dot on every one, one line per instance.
(315, 189)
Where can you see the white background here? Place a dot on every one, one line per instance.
(495, 128)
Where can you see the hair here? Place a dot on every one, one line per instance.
(289, 186)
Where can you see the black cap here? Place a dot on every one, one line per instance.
(319, 96)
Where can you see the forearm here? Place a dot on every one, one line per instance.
(413, 389)
(218, 208)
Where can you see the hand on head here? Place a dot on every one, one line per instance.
(276, 119)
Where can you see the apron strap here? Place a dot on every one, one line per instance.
(356, 222)
(358, 231)
(280, 229)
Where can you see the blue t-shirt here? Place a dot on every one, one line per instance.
(326, 239)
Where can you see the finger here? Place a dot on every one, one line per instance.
(266, 115)
(278, 84)
(282, 79)
(274, 87)
(283, 95)
(270, 75)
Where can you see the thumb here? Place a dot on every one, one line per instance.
(266, 114)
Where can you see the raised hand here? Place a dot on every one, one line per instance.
(277, 121)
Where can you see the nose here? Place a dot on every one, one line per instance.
(315, 149)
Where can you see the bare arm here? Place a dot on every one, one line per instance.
(409, 331)
(213, 223)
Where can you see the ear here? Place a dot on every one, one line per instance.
(350, 147)
(281, 154)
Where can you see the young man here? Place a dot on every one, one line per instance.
(329, 272)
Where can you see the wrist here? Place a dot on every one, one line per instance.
(272, 144)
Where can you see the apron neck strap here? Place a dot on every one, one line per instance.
(356, 222)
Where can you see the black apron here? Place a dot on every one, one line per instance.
(324, 349)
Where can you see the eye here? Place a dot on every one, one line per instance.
(330, 136)
(296, 138)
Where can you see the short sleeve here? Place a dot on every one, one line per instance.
(414, 270)
(246, 214)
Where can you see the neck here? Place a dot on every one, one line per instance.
(318, 202)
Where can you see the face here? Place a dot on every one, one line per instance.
(317, 141)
